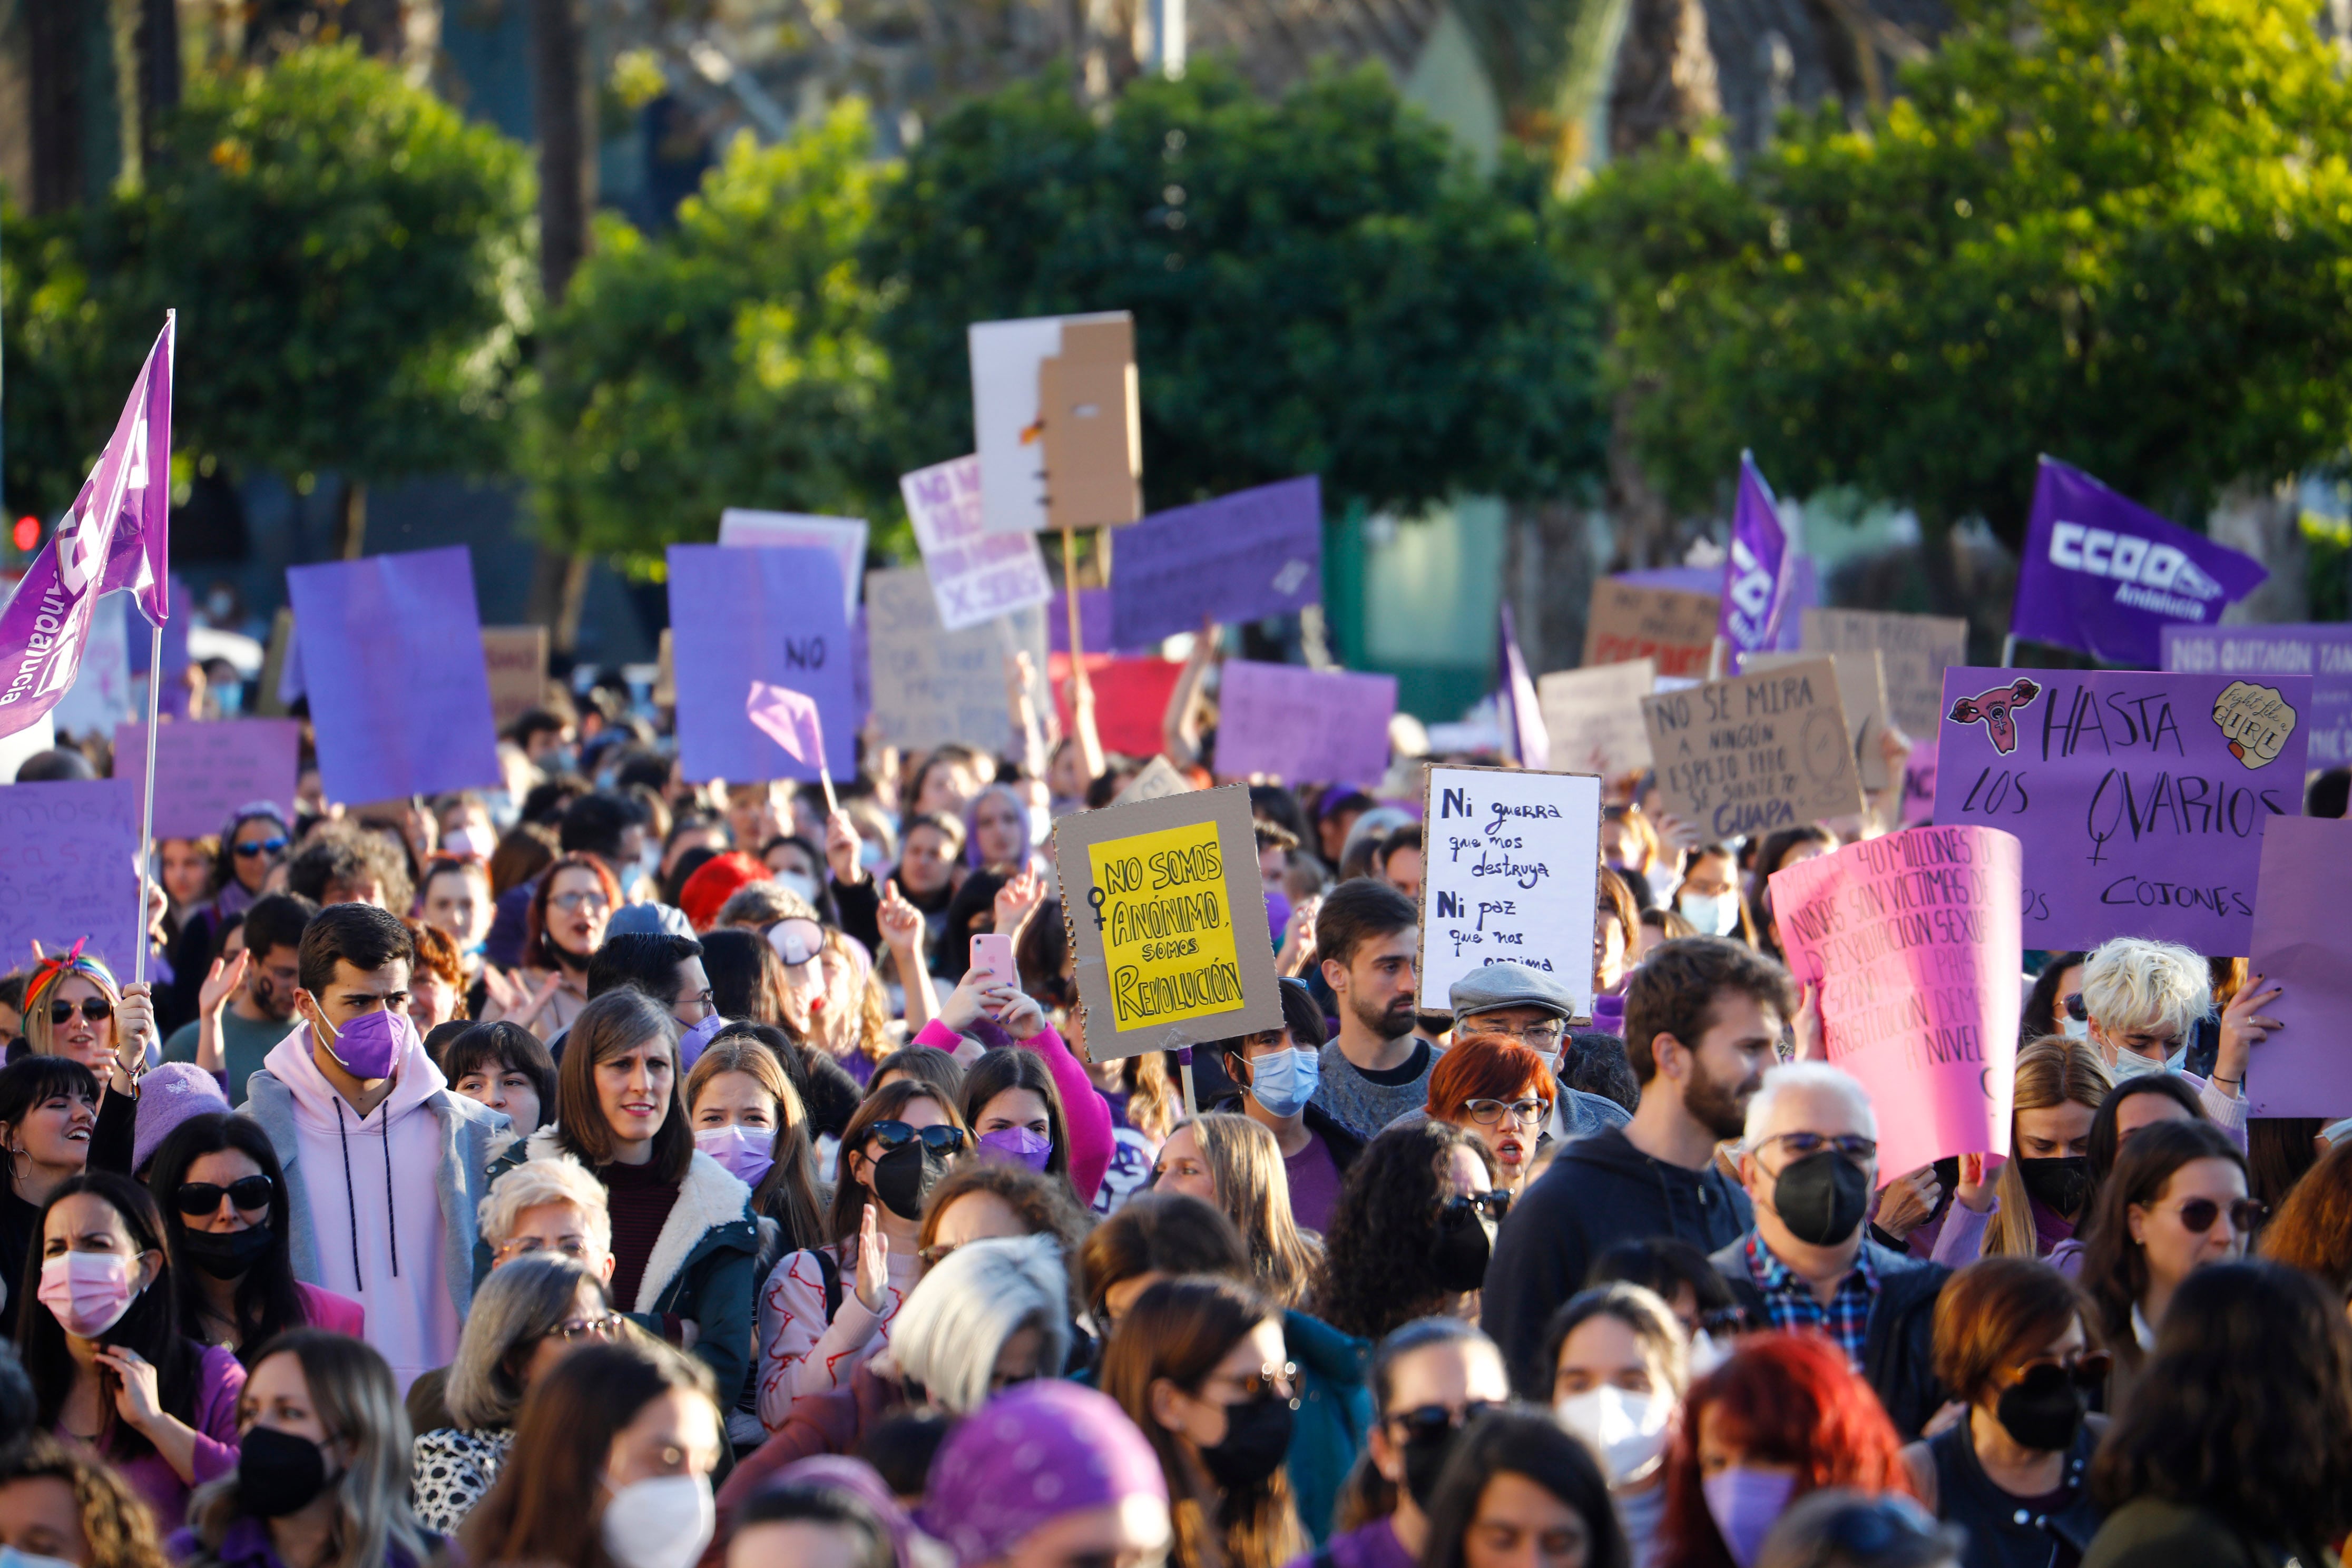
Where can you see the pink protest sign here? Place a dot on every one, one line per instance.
(1914, 938)
(2301, 945)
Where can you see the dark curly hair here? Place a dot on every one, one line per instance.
(1378, 1272)
(2248, 1351)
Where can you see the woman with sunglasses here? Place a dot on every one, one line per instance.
(2013, 1343)
(571, 906)
(1429, 1378)
(253, 847)
(1499, 1092)
(824, 1310)
(1411, 1235)
(74, 1008)
(527, 1316)
(217, 1181)
(48, 1107)
(2175, 1202)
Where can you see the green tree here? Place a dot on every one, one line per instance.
(1319, 285)
(730, 362)
(51, 337)
(2110, 230)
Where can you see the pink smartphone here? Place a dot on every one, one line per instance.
(991, 955)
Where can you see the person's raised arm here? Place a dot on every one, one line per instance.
(1180, 729)
(212, 999)
(902, 929)
(1028, 729)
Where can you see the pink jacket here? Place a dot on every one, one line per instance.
(336, 1314)
(1083, 1106)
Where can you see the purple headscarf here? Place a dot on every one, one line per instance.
(835, 1472)
(1033, 1453)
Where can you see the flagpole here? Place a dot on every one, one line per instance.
(824, 777)
(147, 799)
(2009, 651)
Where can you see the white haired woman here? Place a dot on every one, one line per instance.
(2144, 1000)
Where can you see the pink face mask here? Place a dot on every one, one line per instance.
(88, 1291)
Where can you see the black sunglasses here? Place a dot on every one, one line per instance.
(97, 1009)
(1430, 1420)
(261, 846)
(1493, 1204)
(196, 1199)
(939, 1140)
(2198, 1214)
(2073, 1005)
(2046, 1375)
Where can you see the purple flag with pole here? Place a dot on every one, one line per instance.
(789, 718)
(1524, 738)
(115, 535)
(1756, 574)
(2105, 575)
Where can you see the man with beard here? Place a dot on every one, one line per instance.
(244, 1018)
(1702, 1020)
(1368, 937)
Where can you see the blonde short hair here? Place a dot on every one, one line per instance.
(2132, 983)
(559, 1179)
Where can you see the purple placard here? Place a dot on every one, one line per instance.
(1684, 579)
(1241, 557)
(1302, 725)
(392, 663)
(2322, 651)
(69, 870)
(739, 613)
(2302, 945)
(2141, 798)
(1094, 620)
(205, 772)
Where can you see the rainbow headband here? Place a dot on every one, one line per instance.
(50, 970)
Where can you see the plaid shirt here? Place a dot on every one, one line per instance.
(1791, 1303)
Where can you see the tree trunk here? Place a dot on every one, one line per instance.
(2265, 521)
(1548, 572)
(1665, 82)
(559, 586)
(567, 171)
(53, 29)
(350, 520)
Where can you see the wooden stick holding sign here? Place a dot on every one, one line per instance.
(1511, 874)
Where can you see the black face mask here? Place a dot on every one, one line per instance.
(1258, 1439)
(1822, 1197)
(2061, 1186)
(1425, 1453)
(1465, 1241)
(278, 1473)
(905, 1176)
(225, 1256)
(2044, 1418)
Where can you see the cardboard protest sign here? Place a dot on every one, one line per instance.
(1862, 693)
(1755, 752)
(2302, 945)
(739, 615)
(1297, 724)
(1167, 920)
(975, 575)
(1158, 781)
(1913, 939)
(391, 650)
(1674, 628)
(100, 695)
(931, 685)
(205, 772)
(515, 657)
(844, 536)
(1056, 394)
(1511, 873)
(1130, 696)
(2141, 798)
(69, 870)
(2323, 652)
(1594, 716)
(1919, 784)
(1915, 650)
(1241, 557)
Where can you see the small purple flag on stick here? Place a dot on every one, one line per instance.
(2103, 575)
(789, 718)
(1524, 738)
(1756, 575)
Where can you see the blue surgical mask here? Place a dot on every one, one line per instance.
(1284, 1081)
(2130, 1064)
(1716, 914)
(2074, 1028)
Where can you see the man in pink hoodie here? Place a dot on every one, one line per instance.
(384, 1166)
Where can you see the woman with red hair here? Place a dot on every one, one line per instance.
(570, 908)
(1500, 1093)
(1782, 1418)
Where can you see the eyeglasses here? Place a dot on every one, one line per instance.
(939, 1140)
(2198, 1214)
(607, 1327)
(258, 846)
(572, 903)
(523, 1246)
(706, 999)
(2046, 1375)
(1493, 1204)
(1426, 1421)
(97, 1009)
(1490, 1113)
(1543, 1036)
(1718, 1321)
(1860, 1150)
(1277, 1381)
(196, 1199)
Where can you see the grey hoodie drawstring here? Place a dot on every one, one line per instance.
(392, 1218)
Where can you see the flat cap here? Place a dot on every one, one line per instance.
(1498, 985)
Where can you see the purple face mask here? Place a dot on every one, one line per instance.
(370, 1045)
(747, 1154)
(696, 1040)
(1744, 1503)
(1019, 1145)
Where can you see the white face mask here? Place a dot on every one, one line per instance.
(800, 884)
(664, 1522)
(1705, 1355)
(1627, 1430)
(1716, 914)
(2074, 1028)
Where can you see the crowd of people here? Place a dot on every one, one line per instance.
(621, 1172)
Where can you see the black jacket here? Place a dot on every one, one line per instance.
(1898, 1354)
(1599, 1191)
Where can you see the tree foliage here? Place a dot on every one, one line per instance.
(2110, 230)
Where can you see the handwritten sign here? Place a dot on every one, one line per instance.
(1919, 784)
(1241, 557)
(2302, 944)
(1915, 649)
(1913, 939)
(2323, 652)
(739, 615)
(1298, 725)
(931, 685)
(2142, 798)
(1862, 693)
(1511, 873)
(976, 575)
(1674, 628)
(1167, 919)
(1750, 754)
(1158, 781)
(205, 772)
(844, 536)
(515, 657)
(1594, 716)
(69, 870)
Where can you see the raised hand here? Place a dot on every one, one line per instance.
(873, 1260)
(1906, 1201)
(1974, 1188)
(1812, 1045)
(2243, 1026)
(901, 923)
(1014, 1010)
(1017, 901)
(221, 983)
(841, 847)
(134, 1024)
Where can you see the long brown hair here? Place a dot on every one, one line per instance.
(1180, 1330)
(2051, 1071)
(116, 1522)
(1253, 1188)
(2114, 1266)
(2314, 1228)
(884, 1104)
(618, 1021)
(790, 1191)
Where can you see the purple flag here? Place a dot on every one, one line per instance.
(113, 536)
(2105, 575)
(789, 719)
(1756, 574)
(1524, 738)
